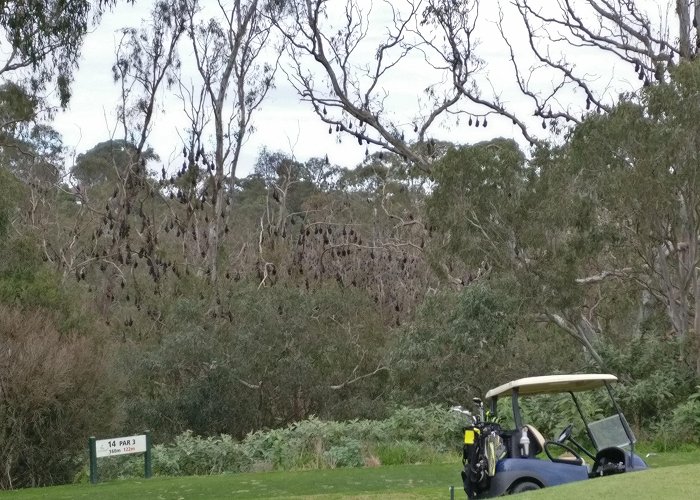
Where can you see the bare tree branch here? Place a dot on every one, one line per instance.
(598, 278)
(359, 378)
(349, 97)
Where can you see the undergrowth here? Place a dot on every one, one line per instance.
(409, 435)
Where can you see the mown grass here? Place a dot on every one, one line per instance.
(658, 459)
(673, 475)
(420, 481)
(677, 482)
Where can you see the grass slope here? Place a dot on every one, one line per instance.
(679, 482)
(673, 475)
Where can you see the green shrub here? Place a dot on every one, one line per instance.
(652, 378)
(308, 443)
(683, 426)
(349, 454)
(406, 452)
(409, 435)
(191, 455)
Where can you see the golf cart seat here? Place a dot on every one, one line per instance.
(537, 440)
(538, 443)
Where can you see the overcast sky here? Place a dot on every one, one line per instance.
(286, 124)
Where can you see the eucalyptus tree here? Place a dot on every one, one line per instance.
(461, 344)
(608, 215)
(29, 147)
(497, 214)
(41, 41)
(642, 162)
(31, 156)
(106, 163)
(111, 183)
(236, 64)
(358, 228)
(147, 62)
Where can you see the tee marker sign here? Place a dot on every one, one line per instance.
(113, 447)
(120, 446)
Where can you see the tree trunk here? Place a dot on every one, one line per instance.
(684, 29)
(646, 309)
(696, 321)
(577, 334)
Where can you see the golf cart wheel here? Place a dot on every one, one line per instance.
(524, 486)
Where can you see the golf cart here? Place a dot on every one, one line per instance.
(501, 462)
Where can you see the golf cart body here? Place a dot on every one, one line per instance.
(499, 461)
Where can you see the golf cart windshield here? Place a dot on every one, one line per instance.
(609, 432)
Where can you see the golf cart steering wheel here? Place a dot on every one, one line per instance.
(559, 443)
(565, 434)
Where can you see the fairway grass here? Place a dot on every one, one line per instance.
(673, 475)
(398, 481)
(679, 482)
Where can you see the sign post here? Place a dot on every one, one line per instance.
(148, 469)
(93, 460)
(126, 445)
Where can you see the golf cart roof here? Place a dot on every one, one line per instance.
(552, 384)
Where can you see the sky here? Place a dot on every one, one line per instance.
(286, 124)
